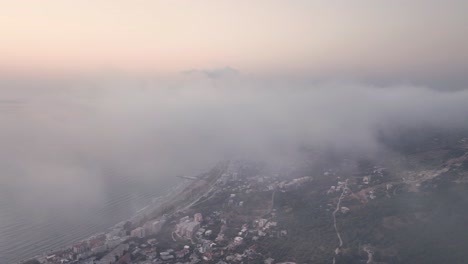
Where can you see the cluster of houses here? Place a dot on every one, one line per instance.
(209, 246)
(200, 243)
(340, 187)
(112, 242)
(86, 249)
(294, 184)
(260, 183)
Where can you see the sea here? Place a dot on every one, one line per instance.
(32, 228)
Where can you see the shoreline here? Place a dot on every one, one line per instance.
(155, 201)
(172, 200)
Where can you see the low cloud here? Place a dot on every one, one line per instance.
(73, 133)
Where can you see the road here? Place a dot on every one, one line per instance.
(338, 205)
(272, 200)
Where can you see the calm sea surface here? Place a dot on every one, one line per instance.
(33, 228)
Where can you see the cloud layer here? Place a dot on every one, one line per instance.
(66, 133)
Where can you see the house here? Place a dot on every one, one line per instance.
(207, 256)
(220, 237)
(262, 222)
(238, 240)
(366, 179)
(271, 224)
(184, 219)
(344, 210)
(182, 253)
(166, 256)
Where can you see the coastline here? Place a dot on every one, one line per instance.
(154, 204)
(188, 190)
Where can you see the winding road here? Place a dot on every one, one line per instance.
(338, 205)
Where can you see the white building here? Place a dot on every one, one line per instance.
(262, 222)
(238, 240)
(344, 210)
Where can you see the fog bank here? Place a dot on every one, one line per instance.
(59, 134)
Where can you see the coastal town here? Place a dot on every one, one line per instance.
(204, 231)
(239, 212)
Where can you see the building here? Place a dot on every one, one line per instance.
(148, 226)
(111, 243)
(125, 259)
(138, 232)
(198, 217)
(115, 254)
(157, 225)
(238, 240)
(187, 229)
(166, 256)
(262, 222)
(366, 180)
(81, 247)
(99, 249)
(344, 210)
(182, 253)
(184, 219)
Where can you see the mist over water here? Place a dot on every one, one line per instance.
(81, 154)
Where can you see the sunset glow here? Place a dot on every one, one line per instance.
(256, 36)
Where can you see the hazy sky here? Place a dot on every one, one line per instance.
(371, 38)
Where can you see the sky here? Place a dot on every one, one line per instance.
(384, 40)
